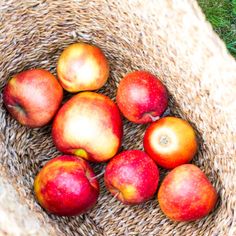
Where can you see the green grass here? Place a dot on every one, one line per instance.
(222, 15)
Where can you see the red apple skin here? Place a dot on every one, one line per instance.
(141, 94)
(66, 186)
(132, 177)
(88, 125)
(33, 97)
(81, 67)
(186, 194)
(170, 142)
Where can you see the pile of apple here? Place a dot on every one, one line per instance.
(88, 127)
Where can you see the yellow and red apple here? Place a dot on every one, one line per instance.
(132, 177)
(186, 194)
(170, 142)
(141, 97)
(81, 67)
(89, 125)
(66, 186)
(33, 97)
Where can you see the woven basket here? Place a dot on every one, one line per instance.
(169, 38)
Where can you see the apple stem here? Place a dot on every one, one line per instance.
(114, 196)
(8, 105)
(17, 106)
(154, 118)
(98, 175)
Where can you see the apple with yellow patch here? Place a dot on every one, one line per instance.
(88, 125)
(81, 67)
(132, 177)
(33, 97)
(66, 186)
(186, 194)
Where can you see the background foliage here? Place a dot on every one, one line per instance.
(222, 16)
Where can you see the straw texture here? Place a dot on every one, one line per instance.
(168, 38)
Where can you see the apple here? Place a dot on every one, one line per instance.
(89, 125)
(66, 186)
(33, 97)
(186, 194)
(81, 67)
(170, 142)
(132, 177)
(141, 97)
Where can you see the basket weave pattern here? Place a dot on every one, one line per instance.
(168, 38)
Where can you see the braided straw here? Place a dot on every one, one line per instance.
(169, 38)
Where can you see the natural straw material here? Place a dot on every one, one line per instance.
(169, 38)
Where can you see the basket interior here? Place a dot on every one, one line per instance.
(35, 33)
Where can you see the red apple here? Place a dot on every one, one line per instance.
(66, 186)
(33, 97)
(141, 97)
(170, 142)
(132, 177)
(82, 66)
(88, 125)
(186, 194)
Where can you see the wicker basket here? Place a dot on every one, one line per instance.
(169, 38)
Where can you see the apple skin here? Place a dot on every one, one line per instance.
(132, 177)
(186, 194)
(81, 67)
(89, 125)
(66, 186)
(33, 97)
(170, 142)
(141, 97)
